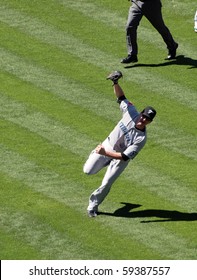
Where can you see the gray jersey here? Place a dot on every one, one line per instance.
(125, 138)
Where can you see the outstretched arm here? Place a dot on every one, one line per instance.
(118, 91)
(114, 77)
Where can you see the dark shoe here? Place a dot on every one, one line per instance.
(130, 58)
(92, 213)
(172, 53)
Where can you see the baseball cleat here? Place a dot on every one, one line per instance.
(92, 213)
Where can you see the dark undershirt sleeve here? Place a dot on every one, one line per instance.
(124, 157)
(119, 99)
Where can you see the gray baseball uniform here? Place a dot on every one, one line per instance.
(126, 139)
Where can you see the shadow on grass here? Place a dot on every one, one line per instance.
(164, 215)
(180, 60)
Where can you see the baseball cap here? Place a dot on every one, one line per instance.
(149, 112)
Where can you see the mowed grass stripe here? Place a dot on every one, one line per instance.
(12, 246)
(37, 235)
(52, 130)
(38, 177)
(44, 224)
(51, 35)
(48, 80)
(40, 180)
(160, 239)
(162, 185)
(60, 161)
(65, 42)
(175, 139)
(53, 229)
(65, 111)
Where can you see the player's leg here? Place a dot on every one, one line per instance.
(95, 163)
(115, 168)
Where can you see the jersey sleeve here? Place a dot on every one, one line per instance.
(127, 107)
(132, 151)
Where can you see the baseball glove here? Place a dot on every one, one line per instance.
(115, 76)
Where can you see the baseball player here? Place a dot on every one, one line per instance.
(151, 9)
(122, 145)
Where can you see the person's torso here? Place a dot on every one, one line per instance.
(125, 134)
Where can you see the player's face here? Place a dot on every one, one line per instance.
(145, 119)
(142, 121)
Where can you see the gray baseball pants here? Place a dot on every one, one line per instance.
(93, 165)
(151, 9)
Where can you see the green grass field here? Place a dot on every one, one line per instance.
(56, 106)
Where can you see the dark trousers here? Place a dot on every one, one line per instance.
(151, 9)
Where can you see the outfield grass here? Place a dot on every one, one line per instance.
(56, 106)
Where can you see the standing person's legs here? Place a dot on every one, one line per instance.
(133, 21)
(115, 168)
(152, 11)
(134, 17)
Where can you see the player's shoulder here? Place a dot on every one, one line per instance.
(125, 104)
(128, 107)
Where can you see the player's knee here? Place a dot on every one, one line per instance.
(87, 170)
